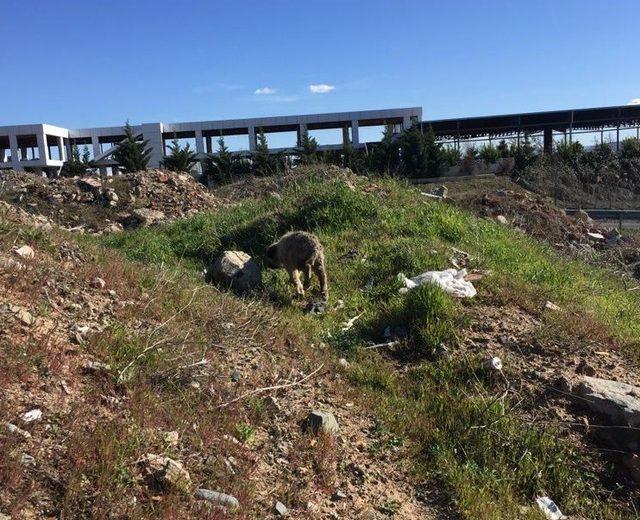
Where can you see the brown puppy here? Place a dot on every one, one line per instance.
(298, 251)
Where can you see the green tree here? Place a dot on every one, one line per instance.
(221, 167)
(489, 153)
(263, 163)
(74, 166)
(385, 156)
(86, 155)
(420, 154)
(307, 149)
(630, 148)
(570, 152)
(180, 159)
(131, 153)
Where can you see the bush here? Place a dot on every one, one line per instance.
(451, 155)
(131, 153)
(430, 317)
(630, 148)
(489, 153)
(180, 159)
(570, 152)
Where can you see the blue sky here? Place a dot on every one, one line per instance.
(97, 63)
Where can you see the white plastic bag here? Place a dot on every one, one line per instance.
(450, 281)
(549, 508)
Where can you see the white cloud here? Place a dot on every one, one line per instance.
(265, 91)
(634, 101)
(322, 88)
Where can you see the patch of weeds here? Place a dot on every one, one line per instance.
(244, 432)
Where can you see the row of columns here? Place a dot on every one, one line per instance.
(19, 154)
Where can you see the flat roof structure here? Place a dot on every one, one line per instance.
(43, 146)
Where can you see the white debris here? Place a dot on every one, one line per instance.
(549, 508)
(32, 415)
(494, 363)
(596, 236)
(450, 281)
(551, 306)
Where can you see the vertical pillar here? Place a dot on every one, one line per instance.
(406, 122)
(302, 128)
(252, 138)
(152, 132)
(15, 155)
(95, 144)
(61, 149)
(208, 144)
(199, 143)
(355, 133)
(548, 140)
(618, 138)
(43, 150)
(345, 135)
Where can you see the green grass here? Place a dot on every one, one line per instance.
(490, 460)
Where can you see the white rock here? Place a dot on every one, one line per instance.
(319, 421)
(12, 428)
(551, 306)
(220, 499)
(281, 509)
(31, 415)
(25, 252)
(236, 269)
(495, 363)
(501, 219)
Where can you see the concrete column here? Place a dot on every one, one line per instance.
(302, 128)
(199, 143)
(43, 149)
(153, 133)
(252, 139)
(547, 141)
(406, 122)
(208, 144)
(355, 133)
(15, 155)
(95, 144)
(62, 150)
(345, 135)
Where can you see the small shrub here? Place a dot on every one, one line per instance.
(489, 153)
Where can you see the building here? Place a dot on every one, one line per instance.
(44, 148)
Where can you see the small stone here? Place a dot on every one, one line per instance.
(563, 384)
(27, 460)
(551, 306)
(167, 472)
(442, 351)
(25, 252)
(318, 421)
(281, 509)
(217, 498)
(339, 495)
(501, 219)
(171, 438)
(235, 376)
(31, 416)
(343, 363)
(90, 183)
(25, 317)
(146, 217)
(98, 283)
(12, 428)
(96, 367)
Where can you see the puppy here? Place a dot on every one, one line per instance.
(298, 251)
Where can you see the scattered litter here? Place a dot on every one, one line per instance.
(349, 323)
(549, 508)
(450, 280)
(551, 306)
(596, 236)
(31, 415)
(494, 363)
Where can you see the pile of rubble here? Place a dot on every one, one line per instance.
(108, 204)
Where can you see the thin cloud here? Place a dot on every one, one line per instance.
(634, 101)
(321, 88)
(265, 91)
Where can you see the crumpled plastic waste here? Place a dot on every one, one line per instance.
(549, 508)
(450, 281)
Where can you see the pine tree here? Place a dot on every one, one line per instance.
(74, 167)
(263, 164)
(86, 156)
(131, 154)
(180, 159)
(385, 155)
(307, 150)
(220, 167)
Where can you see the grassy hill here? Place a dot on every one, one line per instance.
(492, 445)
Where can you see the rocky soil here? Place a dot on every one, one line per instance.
(87, 434)
(108, 204)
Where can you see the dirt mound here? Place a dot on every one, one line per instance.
(106, 204)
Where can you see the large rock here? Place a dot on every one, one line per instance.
(146, 216)
(236, 269)
(321, 422)
(619, 403)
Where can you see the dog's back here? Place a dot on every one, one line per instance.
(298, 249)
